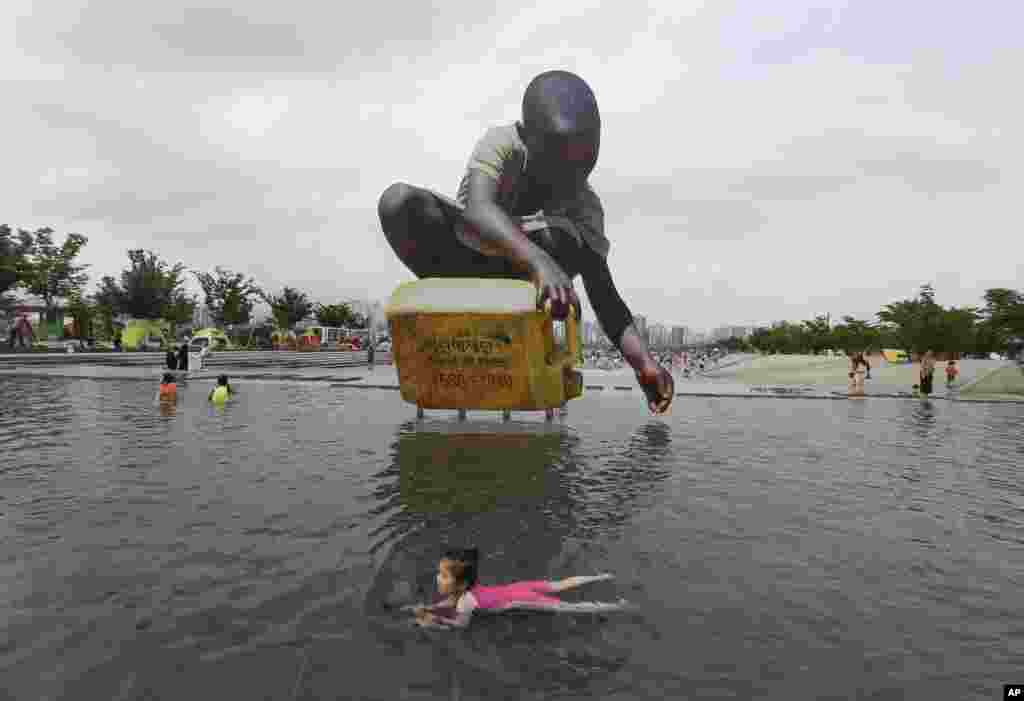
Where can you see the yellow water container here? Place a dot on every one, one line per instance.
(467, 343)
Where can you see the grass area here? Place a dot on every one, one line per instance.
(1006, 382)
(793, 370)
(819, 370)
(822, 370)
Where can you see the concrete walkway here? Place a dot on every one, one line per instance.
(720, 383)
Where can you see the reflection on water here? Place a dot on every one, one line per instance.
(260, 550)
(516, 491)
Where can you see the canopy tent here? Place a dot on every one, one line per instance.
(216, 339)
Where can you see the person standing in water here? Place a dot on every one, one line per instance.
(462, 595)
(222, 391)
(859, 367)
(168, 389)
(526, 210)
(952, 371)
(927, 373)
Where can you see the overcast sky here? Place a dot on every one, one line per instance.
(759, 160)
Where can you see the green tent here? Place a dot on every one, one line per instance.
(138, 331)
(216, 339)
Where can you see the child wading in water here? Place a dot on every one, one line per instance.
(951, 372)
(525, 210)
(222, 391)
(456, 582)
(168, 388)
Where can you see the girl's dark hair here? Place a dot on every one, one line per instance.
(464, 564)
(168, 378)
(222, 380)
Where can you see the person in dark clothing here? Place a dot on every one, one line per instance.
(183, 357)
(525, 210)
(172, 360)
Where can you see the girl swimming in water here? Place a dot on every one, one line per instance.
(456, 582)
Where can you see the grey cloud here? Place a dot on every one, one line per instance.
(717, 220)
(698, 218)
(217, 32)
(300, 36)
(111, 138)
(790, 187)
(924, 164)
(156, 186)
(795, 181)
(872, 100)
(267, 228)
(797, 43)
(933, 175)
(124, 208)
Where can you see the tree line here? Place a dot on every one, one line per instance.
(912, 325)
(148, 288)
(151, 288)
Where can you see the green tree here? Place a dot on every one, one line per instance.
(50, 271)
(786, 337)
(82, 311)
(288, 308)
(106, 304)
(1003, 315)
(149, 285)
(759, 340)
(854, 335)
(14, 252)
(335, 315)
(735, 344)
(914, 323)
(229, 296)
(816, 334)
(179, 310)
(956, 330)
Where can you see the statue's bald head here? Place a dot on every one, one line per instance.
(560, 103)
(562, 129)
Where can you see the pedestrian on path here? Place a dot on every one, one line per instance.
(23, 330)
(183, 357)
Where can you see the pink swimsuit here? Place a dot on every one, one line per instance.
(505, 595)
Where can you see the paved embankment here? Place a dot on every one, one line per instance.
(224, 359)
(780, 377)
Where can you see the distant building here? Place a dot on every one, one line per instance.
(640, 322)
(723, 333)
(658, 336)
(678, 336)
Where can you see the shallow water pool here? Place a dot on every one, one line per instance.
(772, 548)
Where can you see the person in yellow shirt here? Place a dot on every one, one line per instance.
(222, 391)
